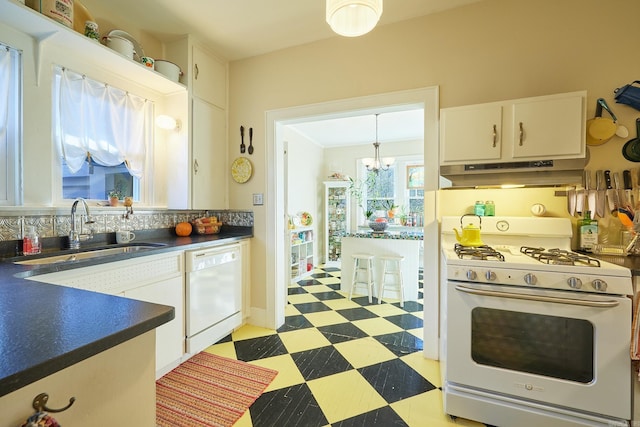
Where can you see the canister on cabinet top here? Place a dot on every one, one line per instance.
(58, 10)
(489, 208)
(479, 208)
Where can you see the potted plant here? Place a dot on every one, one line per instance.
(114, 197)
(389, 206)
(402, 214)
(357, 189)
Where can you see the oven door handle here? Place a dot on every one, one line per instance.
(570, 301)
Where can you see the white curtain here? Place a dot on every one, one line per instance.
(5, 79)
(99, 122)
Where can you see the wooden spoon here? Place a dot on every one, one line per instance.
(250, 149)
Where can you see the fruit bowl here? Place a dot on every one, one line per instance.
(378, 226)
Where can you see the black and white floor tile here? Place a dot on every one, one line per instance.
(341, 362)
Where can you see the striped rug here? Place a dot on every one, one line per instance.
(209, 390)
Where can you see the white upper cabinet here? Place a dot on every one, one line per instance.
(540, 128)
(209, 78)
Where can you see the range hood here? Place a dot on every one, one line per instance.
(533, 173)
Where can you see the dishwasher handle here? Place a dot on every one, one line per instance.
(209, 258)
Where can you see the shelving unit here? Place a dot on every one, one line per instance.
(337, 214)
(45, 30)
(301, 252)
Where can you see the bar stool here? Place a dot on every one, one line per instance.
(362, 263)
(392, 266)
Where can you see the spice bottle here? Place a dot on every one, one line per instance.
(479, 208)
(489, 208)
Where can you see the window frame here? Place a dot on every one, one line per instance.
(15, 119)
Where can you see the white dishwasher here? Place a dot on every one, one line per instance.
(214, 295)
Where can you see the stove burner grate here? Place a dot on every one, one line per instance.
(477, 252)
(559, 257)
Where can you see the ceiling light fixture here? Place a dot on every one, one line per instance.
(376, 164)
(353, 18)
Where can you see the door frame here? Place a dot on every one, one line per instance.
(275, 211)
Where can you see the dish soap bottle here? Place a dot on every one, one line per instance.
(588, 231)
(31, 244)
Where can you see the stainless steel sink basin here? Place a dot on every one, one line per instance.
(89, 254)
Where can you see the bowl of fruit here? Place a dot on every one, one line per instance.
(378, 225)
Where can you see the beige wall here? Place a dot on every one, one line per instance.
(487, 51)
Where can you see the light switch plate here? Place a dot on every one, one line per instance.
(257, 199)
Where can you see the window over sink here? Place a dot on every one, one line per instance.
(103, 136)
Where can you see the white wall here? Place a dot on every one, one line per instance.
(304, 183)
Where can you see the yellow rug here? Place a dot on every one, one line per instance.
(209, 390)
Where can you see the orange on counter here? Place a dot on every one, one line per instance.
(183, 229)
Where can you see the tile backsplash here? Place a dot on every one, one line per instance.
(54, 222)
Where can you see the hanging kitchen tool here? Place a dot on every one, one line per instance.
(601, 193)
(635, 187)
(601, 129)
(580, 196)
(612, 195)
(250, 149)
(590, 194)
(628, 193)
(242, 146)
(571, 200)
(620, 197)
(631, 149)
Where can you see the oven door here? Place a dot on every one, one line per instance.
(566, 349)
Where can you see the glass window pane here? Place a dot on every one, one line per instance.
(93, 181)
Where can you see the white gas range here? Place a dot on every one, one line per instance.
(532, 333)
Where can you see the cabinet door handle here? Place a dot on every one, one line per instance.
(495, 136)
(196, 71)
(195, 166)
(521, 133)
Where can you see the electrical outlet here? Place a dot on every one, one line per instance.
(257, 199)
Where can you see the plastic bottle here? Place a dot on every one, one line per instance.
(489, 208)
(31, 244)
(588, 231)
(479, 208)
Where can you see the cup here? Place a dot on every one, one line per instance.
(125, 236)
(148, 62)
(91, 30)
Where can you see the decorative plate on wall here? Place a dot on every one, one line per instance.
(241, 170)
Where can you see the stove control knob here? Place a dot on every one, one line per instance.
(530, 279)
(599, 285)
(574, 283)
(471, 275)
(490, 275)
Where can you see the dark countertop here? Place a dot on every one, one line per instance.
(45, 328)
(631, 262)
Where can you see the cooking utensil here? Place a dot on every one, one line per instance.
(580, 196)
(250, 141)
(168, 69)
(620, 200)
(470, 233)
(611, 193)
(628, 194)
(635, 187)
(242, 146)
(601, 129)
(571, 200)
(590, 194)
(622, 131)
(601, 193)
(631, 150)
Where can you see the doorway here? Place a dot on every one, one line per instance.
(277, 273)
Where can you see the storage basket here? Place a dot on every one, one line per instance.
(207, 225)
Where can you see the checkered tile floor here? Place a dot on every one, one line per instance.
(342, 363)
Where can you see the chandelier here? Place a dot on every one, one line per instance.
(377, 163)
(353, 18)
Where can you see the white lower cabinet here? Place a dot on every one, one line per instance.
(170, 336)
(155, 278)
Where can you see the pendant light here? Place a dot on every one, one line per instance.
(353, 18)
(376, 164)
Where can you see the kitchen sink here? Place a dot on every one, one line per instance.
(90, 253)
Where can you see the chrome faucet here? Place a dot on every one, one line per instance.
(75, 236)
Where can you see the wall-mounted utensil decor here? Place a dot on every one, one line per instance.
(242, 146)
(250, 149)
